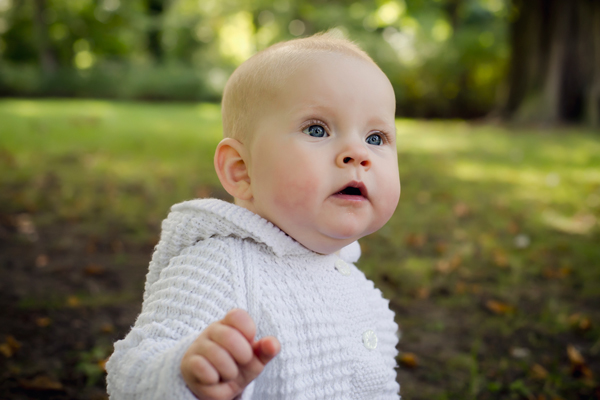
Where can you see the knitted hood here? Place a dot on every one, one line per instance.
(195, 220)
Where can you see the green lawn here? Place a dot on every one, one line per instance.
(491, 262)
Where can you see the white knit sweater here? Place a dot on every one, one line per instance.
(337, 333)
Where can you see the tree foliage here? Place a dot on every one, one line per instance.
(444, 57)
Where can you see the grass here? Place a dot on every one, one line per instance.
(117, 161)
(491, 261)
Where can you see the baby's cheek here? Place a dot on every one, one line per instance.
(389, 200)
(293, 188)
(294, 194)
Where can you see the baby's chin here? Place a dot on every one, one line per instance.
(323, 244)
(326, 249)
(328, 239)
(322, 238)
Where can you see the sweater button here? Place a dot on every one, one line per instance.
(370, 339)
(342, 267)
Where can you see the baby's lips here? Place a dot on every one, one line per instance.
(357, 185)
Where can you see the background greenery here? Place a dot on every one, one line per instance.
(490, 261)
(444, 59)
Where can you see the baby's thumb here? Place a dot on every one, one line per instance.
(266, 349)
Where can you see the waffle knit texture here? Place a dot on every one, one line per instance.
(214, 256)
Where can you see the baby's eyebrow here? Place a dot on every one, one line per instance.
(381, 122)
(317, 107)
(314, 109)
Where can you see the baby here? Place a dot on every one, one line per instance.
(309, 156)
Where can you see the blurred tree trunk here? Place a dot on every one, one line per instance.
(155, 11)
(46, 56)
(554, 74)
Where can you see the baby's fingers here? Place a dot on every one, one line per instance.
(233, 342)
(225, 390)
(220, 360)
(266, 349)
(202, 370)
(242, 321)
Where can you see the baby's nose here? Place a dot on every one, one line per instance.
(354, 155)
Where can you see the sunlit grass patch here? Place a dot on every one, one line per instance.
(114, 161)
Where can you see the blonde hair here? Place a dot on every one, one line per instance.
(263, 75)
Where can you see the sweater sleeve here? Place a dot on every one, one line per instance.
(197, 287)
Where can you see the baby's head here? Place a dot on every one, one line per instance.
(310, 141)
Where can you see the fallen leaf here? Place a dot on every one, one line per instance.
(498, 307)
(574, 318)
(102, 364)
(585, 324)
(91, 247)
(73, 301)
(41, 261)
(513, 227)
(539, 372)
(409, 360)
(10, 346)
(476, 288)
(575, 356)
(423, 293)
(416, 240)
(444, 266)
(441, 247)
(556, 273)
(500, 258)
(564, 272)
(26, 227)
(43, 322)
(6, 350)
(455, 262)
(586, 372)
(580, 322)
(520, 352)
(461, 210)
(460, 287)
(94, 269)
(40, 383)
(117, 246)
(13, 342)
(583, 372)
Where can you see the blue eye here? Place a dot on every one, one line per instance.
(375, 139)
(315, 131)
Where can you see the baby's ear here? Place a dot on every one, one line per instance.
(232, 169)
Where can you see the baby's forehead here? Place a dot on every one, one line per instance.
(283, 76)
(253, 89)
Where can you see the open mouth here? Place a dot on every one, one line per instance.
(354, 190)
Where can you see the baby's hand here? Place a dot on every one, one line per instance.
(224, 358)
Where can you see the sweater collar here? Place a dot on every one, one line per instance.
(212, 217)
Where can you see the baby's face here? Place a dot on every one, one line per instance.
(323, 163)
